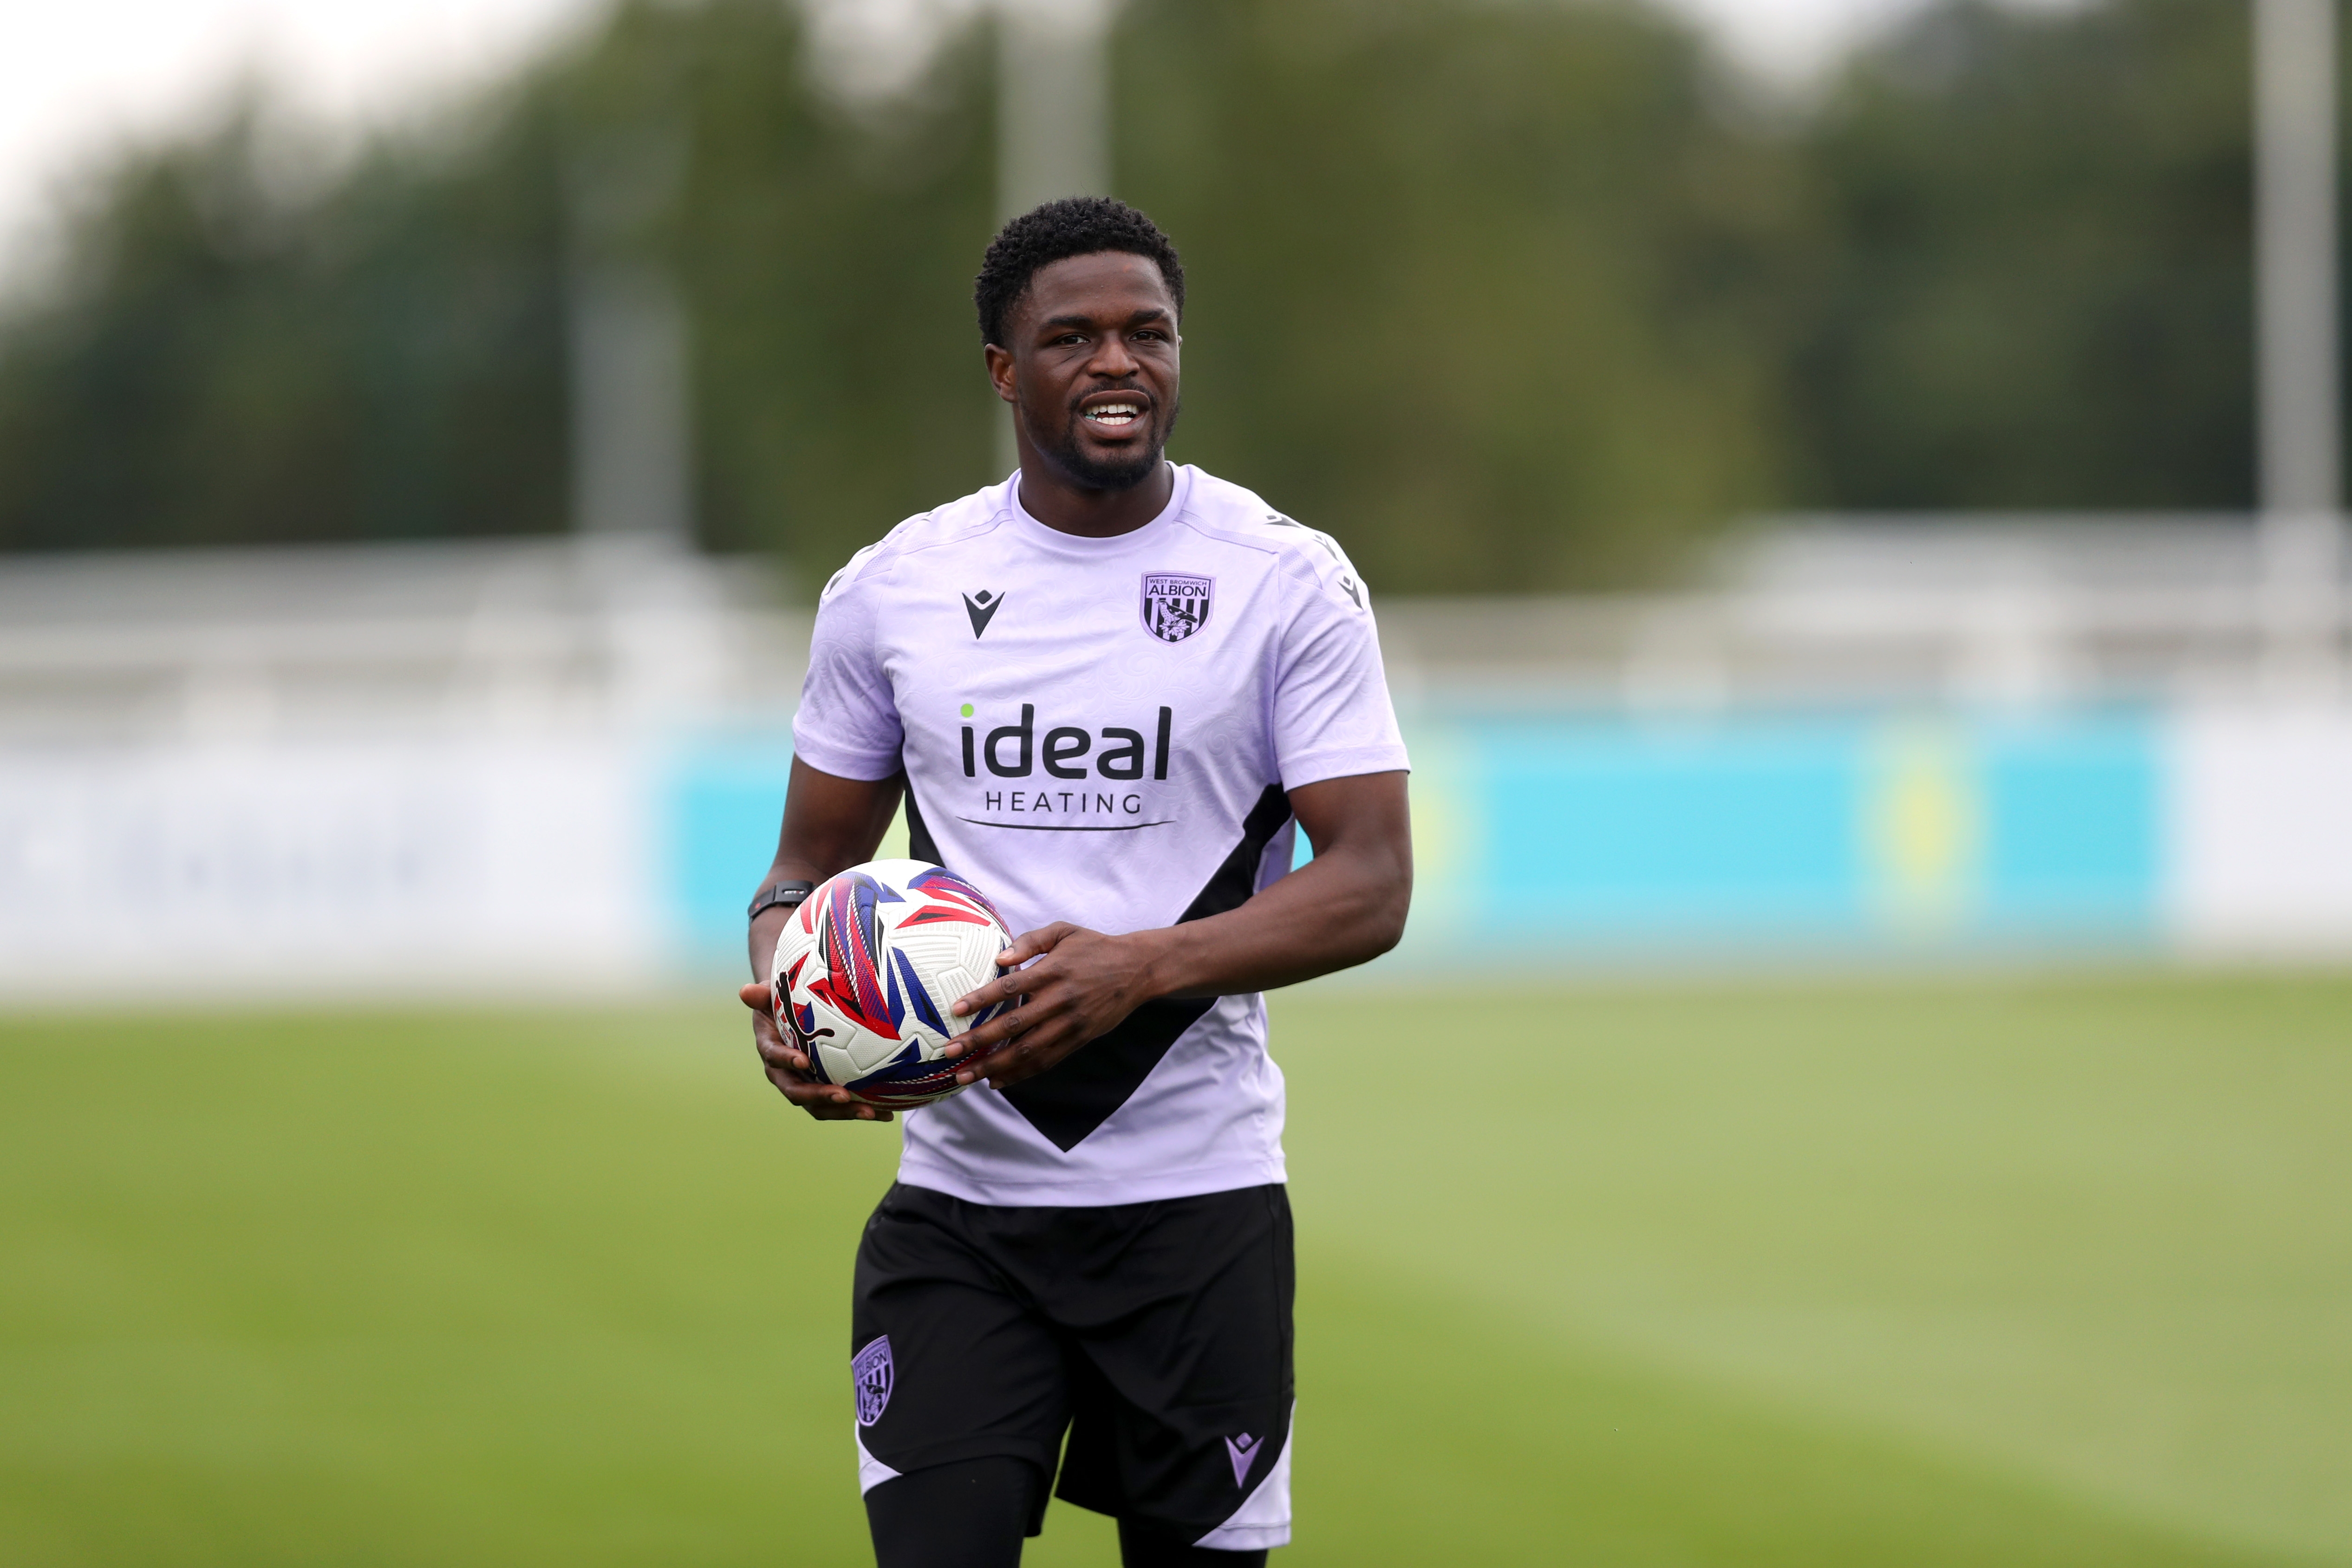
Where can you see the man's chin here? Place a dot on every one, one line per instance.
(1097, 475)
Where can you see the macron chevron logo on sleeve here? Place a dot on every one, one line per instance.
(1241, 1450)
(982, 608)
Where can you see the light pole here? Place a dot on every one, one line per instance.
(1052, 114)
(2298, 385)
(1053, 101)
(632, 437)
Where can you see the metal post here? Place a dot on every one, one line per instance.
(631, 438)
(630, 459)
(1052, 115)
(1053, 109)
(2297, 387)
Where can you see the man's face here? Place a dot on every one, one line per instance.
(1091, 367)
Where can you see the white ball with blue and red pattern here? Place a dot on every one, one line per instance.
(867, 969)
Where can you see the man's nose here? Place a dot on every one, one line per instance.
(1112, 358)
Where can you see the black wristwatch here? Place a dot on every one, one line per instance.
(783, 894)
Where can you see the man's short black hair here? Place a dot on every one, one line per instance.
(1075, 226)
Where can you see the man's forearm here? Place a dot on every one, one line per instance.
(830, 824)
(770, 925)
(1345, 906)
(1332, 913)
(1070, 985)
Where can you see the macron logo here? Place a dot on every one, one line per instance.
(982, 608)
(1241, 1450)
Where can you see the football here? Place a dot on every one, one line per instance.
(867, 969)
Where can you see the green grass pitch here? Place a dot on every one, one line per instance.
(1969, 1272)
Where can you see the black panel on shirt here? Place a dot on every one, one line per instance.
(920, 845)
(1069, 1102)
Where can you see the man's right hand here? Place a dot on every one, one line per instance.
(788, 1070)
(830, 824)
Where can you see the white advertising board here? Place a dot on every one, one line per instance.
(289, 866)
(2259, 831)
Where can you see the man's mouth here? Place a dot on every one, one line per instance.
(1113, 414)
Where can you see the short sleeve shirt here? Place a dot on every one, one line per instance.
(1103, 731)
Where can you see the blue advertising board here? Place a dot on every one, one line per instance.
(1563, 834)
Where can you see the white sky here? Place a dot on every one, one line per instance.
(80, 76)
(1790, 40)
(77, 76)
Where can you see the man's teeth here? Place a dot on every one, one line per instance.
(1114, 413)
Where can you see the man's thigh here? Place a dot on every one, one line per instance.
(950, 1361)
(1181, 1375)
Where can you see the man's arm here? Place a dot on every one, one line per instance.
(1345, 906)
(830, 825)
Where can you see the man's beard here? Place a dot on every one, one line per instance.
(1091, 475)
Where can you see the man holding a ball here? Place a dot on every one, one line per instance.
(1111, 691)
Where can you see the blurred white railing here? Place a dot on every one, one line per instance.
(593, 635)
(513, 637)
(1988, 611)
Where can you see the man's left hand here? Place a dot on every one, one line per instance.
(1081, 986)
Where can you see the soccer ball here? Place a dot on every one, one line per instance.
(867, 969)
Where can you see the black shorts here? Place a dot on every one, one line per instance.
(1157, 1335)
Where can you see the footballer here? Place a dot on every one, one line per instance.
(1111, 691)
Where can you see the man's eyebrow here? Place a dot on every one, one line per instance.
(1149, 313)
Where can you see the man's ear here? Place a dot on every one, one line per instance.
(1001, 372)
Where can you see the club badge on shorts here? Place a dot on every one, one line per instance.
(870, 1368)
(1175, 604)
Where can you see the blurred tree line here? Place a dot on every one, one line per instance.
(1507, 294)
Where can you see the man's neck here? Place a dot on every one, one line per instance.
(1092, 514)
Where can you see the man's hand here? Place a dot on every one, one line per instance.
(788, 1070)
(830, 824)
(1082, 985)
(1342, 907)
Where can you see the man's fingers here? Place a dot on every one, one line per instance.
(1003, 989)
(776, 1053)
(766, 1038)
(1015, 1063)
(845, 1109)
(1032, 1048)
(773, 1047)
(1005, 986)
(802, 1089)
(1029, 944)
(979, 1067)
(826, 1102)
(852, 1113)
(1027, 1012)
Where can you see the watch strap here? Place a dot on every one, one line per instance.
(783, 894)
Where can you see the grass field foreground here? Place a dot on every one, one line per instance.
(1953, 1273)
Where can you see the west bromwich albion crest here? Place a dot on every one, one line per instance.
(1175, 604)
(871, 1368)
